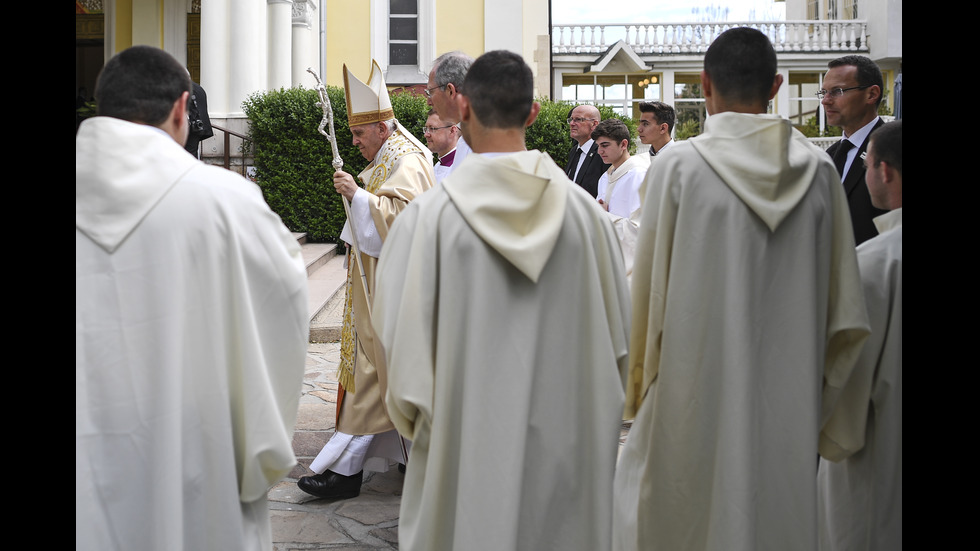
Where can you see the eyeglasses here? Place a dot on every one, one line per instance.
(428, 91)
(866, 164)
(578, 120)
(430, 129)
(838, 92)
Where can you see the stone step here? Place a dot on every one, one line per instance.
(326, 277)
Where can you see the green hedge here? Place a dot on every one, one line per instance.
(549, 133)
(292, 159)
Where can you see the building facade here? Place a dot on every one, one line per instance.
(620, 65)
(235, 48)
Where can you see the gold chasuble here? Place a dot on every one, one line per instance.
(399, 173)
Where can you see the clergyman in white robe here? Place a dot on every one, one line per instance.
(191, 329)
(860, 477)
(747, 314)
(503, 310)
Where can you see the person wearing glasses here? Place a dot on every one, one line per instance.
(441, 139)
(585, 166)
(852, 90)
(655, 125)
(442, 92)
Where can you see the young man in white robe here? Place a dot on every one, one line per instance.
(191, 328)
(655, 125)
(619, 186)
(400, 170)
(748, 316)
(860, 477)
(503, 309)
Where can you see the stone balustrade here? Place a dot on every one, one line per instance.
(694, 38)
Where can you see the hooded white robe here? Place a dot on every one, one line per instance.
(503, 310)
(860, 477)
(747, 314)
(619, 187)
(191, 329)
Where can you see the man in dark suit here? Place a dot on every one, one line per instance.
(200, 123)
(852, 90)
(585, 166)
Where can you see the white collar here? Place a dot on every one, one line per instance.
(862, 134)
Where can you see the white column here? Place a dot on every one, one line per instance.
(667, 87)
(280, 15)
(175, 29)
(781, 101)
(215, 56)
(305, 40)
(248, 49)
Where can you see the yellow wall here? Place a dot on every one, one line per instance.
(138, 22)
(459, 26)
(347, 40)
(124, 24)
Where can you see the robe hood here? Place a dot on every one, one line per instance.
(753, 156)
(635, 161)
(519, 212)
(122, 170)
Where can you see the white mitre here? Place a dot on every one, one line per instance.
(367, 103)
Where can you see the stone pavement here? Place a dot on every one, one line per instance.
(300, 521)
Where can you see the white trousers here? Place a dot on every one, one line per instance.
(348, 454)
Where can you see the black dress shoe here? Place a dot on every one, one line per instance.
(332, 485)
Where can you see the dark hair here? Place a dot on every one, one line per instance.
(868, 73)
(886, 143)
(611, 128)
(661, 111)
(141, 84)
(500, 88)
(451, 67)
(741, 63)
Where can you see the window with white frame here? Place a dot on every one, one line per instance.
(403, 39)
(622, 92)
(688, 105)
(804, 105)
(403, 32)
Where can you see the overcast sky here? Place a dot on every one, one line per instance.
(578, 12)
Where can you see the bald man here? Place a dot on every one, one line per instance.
(584, 167)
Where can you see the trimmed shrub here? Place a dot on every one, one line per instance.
(549, 133)
(293, 160)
